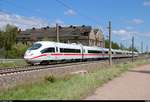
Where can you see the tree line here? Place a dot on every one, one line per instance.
(117, 46)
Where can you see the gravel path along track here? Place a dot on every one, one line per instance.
(132, 85)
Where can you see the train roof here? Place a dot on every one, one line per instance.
(64, 45)
(93, 47)
(51, 42)
(74, 45)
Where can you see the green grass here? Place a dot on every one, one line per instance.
(12, 63)
(69, 87)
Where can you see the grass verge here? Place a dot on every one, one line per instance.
(69, 87)
(12, 63)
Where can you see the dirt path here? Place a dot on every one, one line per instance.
(134, 84)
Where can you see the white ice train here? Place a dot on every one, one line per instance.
(45, 52)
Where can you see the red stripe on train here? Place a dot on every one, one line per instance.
(68, 55)
(39, 56)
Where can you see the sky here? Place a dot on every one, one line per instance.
(128, 17)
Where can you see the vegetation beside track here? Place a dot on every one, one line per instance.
(12, 63)
(69, 87)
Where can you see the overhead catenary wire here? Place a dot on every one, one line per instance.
(60, 2)
(82, 15)
(79, 13)
(26, 9)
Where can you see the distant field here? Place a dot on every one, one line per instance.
(12, 63)
(69, 87)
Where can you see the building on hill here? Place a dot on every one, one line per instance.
(71, 34)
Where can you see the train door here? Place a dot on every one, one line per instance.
(82, 52)
(56, 52)
(103, 53)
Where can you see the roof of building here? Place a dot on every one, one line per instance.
(63, 31)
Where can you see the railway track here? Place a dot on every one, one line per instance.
(4, 71)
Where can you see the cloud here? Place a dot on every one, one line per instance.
(135, 21)
(21, 21)
(124, 34)
(129, 28)
(146, 34)
(70, 12)
(146, 3)
(125, 37)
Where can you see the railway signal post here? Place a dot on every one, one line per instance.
(110, 53)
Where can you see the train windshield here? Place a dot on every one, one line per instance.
(35, 46)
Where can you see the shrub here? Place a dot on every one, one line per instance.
(17, 51)
(51, 79)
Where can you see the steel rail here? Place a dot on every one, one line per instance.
(4, 71)
(31, 68)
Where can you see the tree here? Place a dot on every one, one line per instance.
(17, 50)
(1, 39)
(106, 43)
(8, 37)
(130, 49)
(114, 45)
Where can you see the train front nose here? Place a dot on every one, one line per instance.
(28, 57)
(32, 53)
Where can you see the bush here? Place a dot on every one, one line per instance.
(17, 51)
(2, 54)
(51, 79)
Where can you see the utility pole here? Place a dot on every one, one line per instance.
(132, 48)
(57, 32)
(121, 46)
(142, 47)
(147, 49)
(110, 56)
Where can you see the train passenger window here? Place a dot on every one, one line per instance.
(106, 52)
(94, 51)
(118, 53)
(48, 50)
(66, 50)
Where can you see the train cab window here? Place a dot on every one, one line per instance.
(35, 46)
(48, 50)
